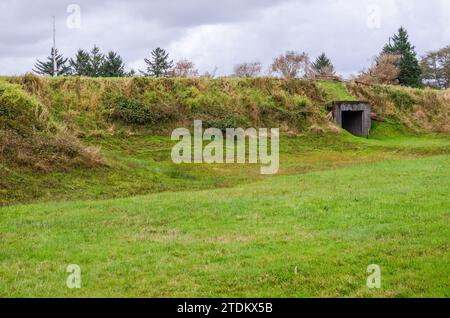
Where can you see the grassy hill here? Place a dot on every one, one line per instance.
(86, 178)
(97, 138)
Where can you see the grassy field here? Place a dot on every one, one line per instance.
(341, 204)
(86, 178)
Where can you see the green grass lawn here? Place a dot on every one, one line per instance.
(304, 235)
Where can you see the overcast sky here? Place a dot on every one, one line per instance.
(218, 32)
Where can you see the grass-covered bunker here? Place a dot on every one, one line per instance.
(353, 116)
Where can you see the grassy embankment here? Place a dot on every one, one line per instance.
(340, 204)
(55, 122)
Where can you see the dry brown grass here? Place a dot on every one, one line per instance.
(47, 153)
(419, 109)
(89, 106)
(29, 137)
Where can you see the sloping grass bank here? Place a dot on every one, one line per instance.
(48, 127)
(107, 105)
(142, 164)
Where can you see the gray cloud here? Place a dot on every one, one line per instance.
(221, 32)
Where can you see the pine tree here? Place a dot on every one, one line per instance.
(47, 68)
(81, 64)
(159, 64)
(113, 65)
(96, 60)
(410, 71)
(323, 66)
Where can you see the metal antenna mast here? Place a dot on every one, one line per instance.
(55, 65)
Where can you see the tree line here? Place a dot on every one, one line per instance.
(396, 64)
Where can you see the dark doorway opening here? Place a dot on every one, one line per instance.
(352, 121)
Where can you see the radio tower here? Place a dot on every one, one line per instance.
(55, 65)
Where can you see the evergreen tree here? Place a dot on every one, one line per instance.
(113, 65)
(47, 67)
(81, 64)
(159, 64)
(96, 60)
(410, 71)
(323, 66)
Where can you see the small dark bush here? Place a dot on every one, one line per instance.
(226, 122)
(131, 111)
(401, 99)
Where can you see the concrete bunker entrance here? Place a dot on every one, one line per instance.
(353, 116)
(352, 121)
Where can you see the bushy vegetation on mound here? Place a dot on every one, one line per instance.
(20, 112)
(29, 137)
(110, 105)
(420, 110)
(90, 105)
(57, 126)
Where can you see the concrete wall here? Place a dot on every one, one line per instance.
(361, 128)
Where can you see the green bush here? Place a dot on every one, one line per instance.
(30, 138)
(301, 101)
(279, 98)
(226, 122)
(131, 111)
(19, 111)
(401, 99)
(152, 97)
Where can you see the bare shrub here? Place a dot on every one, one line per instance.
(291, 65)
(211, 74)
(245, 69)
(436, 68)
(384, 70)
(184, 68)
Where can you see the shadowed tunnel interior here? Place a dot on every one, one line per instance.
(352, 121)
